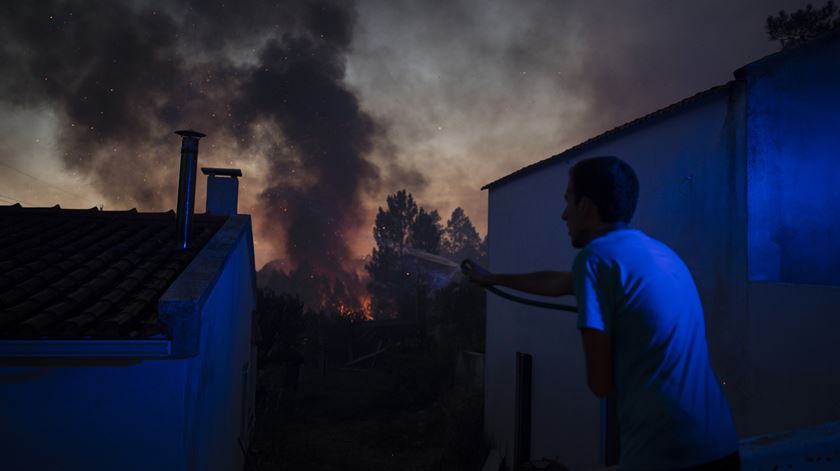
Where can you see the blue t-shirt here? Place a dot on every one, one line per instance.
(671, 410)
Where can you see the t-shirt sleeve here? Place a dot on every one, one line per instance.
(593, 311)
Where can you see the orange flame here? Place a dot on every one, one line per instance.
(362, 306)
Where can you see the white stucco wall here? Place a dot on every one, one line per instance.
(744, 184)
(527, 234)
(687, 163)
(794, 378)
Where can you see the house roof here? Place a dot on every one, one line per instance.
(89, 274)
(611, 133)
(820, 41)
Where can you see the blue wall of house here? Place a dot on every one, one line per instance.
(217, 385)
(140, 414)
(92, 414)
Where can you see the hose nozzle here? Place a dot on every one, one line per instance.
(468, 267)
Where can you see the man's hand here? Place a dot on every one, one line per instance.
(476, 273)
(545, 283)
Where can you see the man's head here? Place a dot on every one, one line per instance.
(602, 193)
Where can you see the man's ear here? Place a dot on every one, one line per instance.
(588, 208)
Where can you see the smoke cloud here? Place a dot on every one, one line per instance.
(264, 80)
(318, 177)
(493, 86)
(455, 94)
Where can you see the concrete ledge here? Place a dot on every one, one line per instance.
(84, 348)
(815, 448)
(180, 306)
(810, 448)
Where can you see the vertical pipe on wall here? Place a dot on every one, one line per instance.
(522, 418)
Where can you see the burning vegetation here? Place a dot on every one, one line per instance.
(401, 277)
(338, 291)
(362, 361)
(267, 81)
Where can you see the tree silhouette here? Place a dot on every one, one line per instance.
(426, 231)
(279, 325)
(384, 270)
(802, 25)
(460, 238)
(396, 285)
(392, 227)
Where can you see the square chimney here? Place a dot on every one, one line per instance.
(222, 190)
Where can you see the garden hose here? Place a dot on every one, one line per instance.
(468, 266)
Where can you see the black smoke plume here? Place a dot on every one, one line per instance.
(262, 79)
(319, 170)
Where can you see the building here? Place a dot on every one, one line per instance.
(123, 345)
(743, 181)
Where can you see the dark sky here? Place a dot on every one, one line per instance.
(328, 106)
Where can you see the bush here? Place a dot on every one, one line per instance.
(416, 373)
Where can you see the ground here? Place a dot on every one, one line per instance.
(349, 420)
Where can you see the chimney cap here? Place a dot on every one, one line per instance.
(228, 172)
(189, 133)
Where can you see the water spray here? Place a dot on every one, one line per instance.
(451, 269)
(468, 266)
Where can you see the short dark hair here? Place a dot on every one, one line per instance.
(610, 183)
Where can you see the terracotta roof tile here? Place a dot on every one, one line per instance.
(89, 273)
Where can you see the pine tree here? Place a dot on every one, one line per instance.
(396, 285)
(426, 231)
(802, 25)
(460, 238)
(393, 224)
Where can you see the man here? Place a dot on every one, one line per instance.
(642, 327)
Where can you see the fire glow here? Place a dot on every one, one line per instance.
(342, 291)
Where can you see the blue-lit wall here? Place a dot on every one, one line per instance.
(687, 163)
(218, 397)
(744, 184)
(793, 149)
(92, 415)
(794, 166)
(144, 414)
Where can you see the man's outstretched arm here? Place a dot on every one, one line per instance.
(544, 283)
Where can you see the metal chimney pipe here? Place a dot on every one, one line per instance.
(186, 186)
